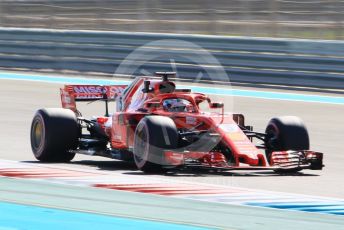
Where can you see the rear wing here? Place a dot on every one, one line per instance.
(70, 94)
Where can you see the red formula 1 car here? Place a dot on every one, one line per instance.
(161, 128)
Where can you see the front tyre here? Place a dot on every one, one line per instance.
(54, 132)
(285, 133)
(153, 135)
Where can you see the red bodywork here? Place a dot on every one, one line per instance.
(133, 104)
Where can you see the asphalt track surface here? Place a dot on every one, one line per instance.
(20, 99)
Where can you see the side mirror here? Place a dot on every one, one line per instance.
(146, 87)
(216, 105)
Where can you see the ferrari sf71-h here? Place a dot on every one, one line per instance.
(161, 128)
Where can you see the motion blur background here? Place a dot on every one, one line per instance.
(317, 19)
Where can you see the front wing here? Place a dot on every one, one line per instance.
(282, 161)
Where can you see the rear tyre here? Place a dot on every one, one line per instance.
(153, 135)
(54, 132)
(286, 133)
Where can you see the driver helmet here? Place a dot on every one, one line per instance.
(174, 105)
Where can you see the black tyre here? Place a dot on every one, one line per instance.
(54, 132)
(154, 134)
(286, 133)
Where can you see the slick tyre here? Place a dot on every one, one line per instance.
(286, 133)
(54, 132)
(153, 135)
